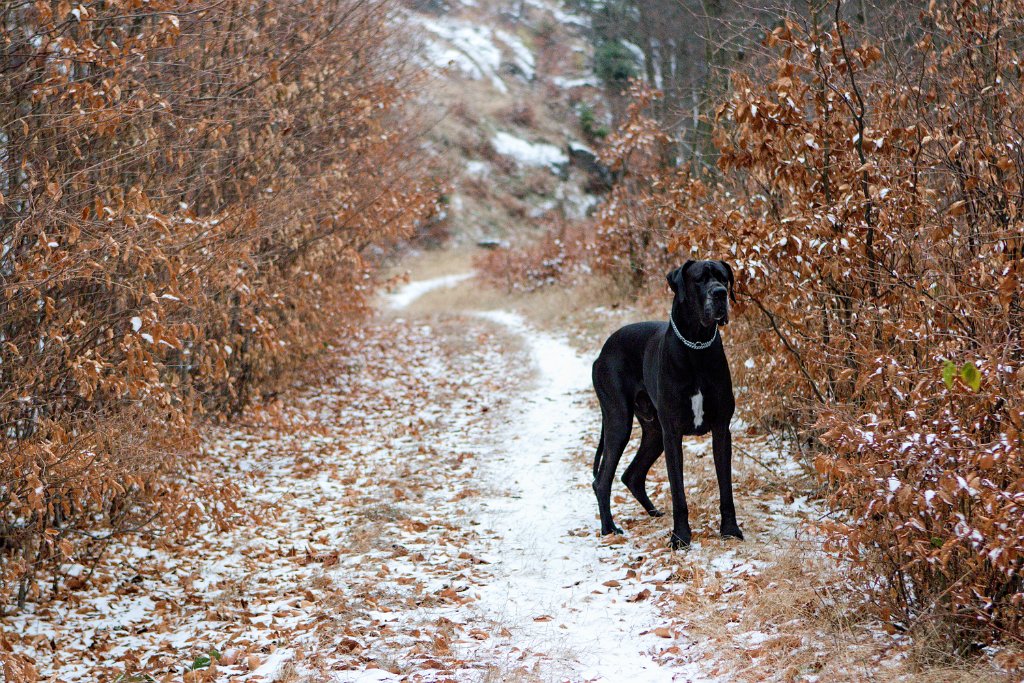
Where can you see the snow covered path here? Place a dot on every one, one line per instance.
(414, 290)
(554, 595)
(548, 588)
(418, 508)
(560, 603)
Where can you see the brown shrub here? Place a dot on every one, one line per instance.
(870, 201)
(552, 259)
(629, 241)
(187, 201)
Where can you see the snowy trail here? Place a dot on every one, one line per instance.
(414, 290)
(544, 590)
(558, 595)
(422, 512)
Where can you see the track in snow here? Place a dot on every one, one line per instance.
(547, 592)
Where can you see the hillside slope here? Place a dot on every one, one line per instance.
(509, 82)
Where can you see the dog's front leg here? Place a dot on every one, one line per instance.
(674, 463)
(721, 444)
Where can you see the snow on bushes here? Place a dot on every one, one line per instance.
(870, 200)
(884, 242)
(187, 199)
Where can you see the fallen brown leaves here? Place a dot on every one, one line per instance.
(341, 480)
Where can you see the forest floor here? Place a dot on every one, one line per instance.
(419, 508)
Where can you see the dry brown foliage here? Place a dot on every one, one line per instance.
(551, 259)
(190, 197)
(870, 200)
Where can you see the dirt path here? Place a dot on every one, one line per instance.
(420, 510)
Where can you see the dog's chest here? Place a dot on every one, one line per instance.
(702, 407)
(697, 408)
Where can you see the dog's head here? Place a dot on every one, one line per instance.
(704, 288)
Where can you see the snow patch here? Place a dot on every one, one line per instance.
(576, 146)
(576, 203)
(468, 47)
(559, 14)
(635, 50)
(414, 290)
(273, 667)
(522, 57)
(528, 153)
(478, 168)
(367, 676)
(589, 81)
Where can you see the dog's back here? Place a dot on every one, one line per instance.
(622, 356)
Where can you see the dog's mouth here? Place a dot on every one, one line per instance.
(716, 313)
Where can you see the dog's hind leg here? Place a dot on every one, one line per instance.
(617, 423)
(651, 448)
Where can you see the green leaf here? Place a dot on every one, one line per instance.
(200, 662)
(936, 541)
(948, 373)
(971, 376)
(203, 661)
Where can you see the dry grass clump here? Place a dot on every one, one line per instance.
(522, 114)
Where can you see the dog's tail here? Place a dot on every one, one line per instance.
(600, 451)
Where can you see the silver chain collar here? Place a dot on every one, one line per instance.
(696, 346)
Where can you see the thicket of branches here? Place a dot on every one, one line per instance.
(869, 195)
(190, 197)
(688, 48)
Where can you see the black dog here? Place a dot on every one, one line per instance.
(674, 378)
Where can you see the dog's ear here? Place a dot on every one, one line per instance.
(677, 278)
(732, 281)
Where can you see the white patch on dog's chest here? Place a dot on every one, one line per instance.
(697, 404)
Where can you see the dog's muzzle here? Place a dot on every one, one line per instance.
(716, 305)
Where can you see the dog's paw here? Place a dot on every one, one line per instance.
(731, 531)
(611, 530)
(655, 512)
(679, 541)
